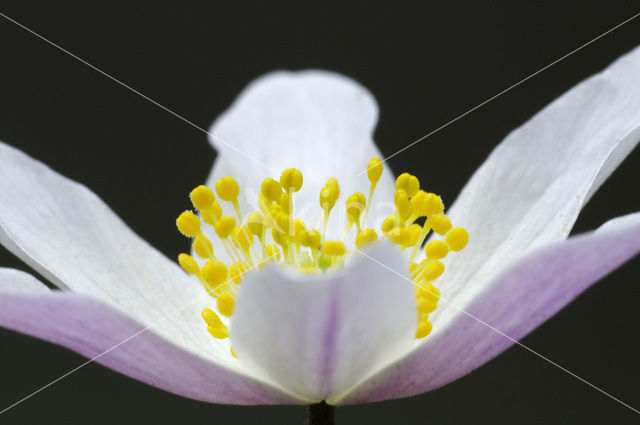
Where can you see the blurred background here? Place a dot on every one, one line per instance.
(425, 62)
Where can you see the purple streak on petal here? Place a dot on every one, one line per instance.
(317, 336)
(515, 303)
(90, 327)
(330, 340)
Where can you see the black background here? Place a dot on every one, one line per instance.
(425, 64)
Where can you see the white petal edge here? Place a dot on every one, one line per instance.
(318, 336)
(513, 304)
(65, 232)
(533, 185)
(114, 339)
(317, 121)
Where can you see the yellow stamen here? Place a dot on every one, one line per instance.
(457, 239)
(334, 248)
(374, 171)
(355, 206)
(188, 264)
(366, 237)
(202, 198)
(408, 183)
(225, 304)
(214, 272)
(228, 190)
(290, 242)
(436, 249)
(203, 247)
(188, 224)
(270, 189)
(440, 223)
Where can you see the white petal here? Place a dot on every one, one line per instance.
(532, 187)
(17, 282)
(511, 305)
(316, 121)
(68, 234)
(113, 339)
(318, 336)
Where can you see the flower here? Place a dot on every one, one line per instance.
(345, 336)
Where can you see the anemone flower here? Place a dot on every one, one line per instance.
(292, 296)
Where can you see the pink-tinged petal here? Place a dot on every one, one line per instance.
(318, 336)
(68, 234)
(510, 306)
(533, 185)
(91, 328)
(317, 121)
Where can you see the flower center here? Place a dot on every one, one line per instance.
(275, 235)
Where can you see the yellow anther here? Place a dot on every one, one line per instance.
(388, 224)
(202, 247)
(457, 238)
(271, 189)
(202, 197)
(398, 236)
(327, 200)
(213, 214)
(285, 202)
(428, 291)
(188, 224)
(433, 205)
(273, 252)
(408, 183)
(188, 264)
(227, 189)
(436, 249)
(275, 209)
(305, 248)
(313, 238)
(242, 237)
(233, 353)
(284, 223)
(218, 332)
(214, 273)
(211, 317)
(225, 304)
(278, 236)
(366, 237)
(412, 233)
(237, 270)
(426, 204)
(433, 271)
(301, 235)
(374, 170)
(355, 205)
(334, 248)
(424, 329)
(224, 226)
(401, 201)
(440, 223)
(332, 183)
(291, 180)
(426, 305)
(255, 223)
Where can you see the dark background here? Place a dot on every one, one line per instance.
(425, 65)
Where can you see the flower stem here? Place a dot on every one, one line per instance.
(321, 414)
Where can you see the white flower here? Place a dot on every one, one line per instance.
(345, 336)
